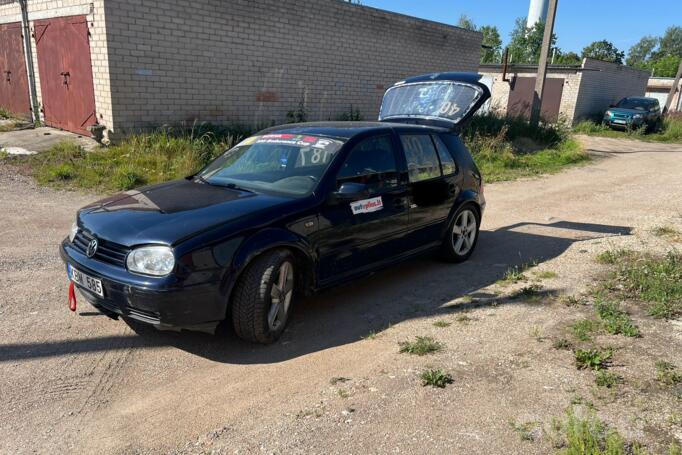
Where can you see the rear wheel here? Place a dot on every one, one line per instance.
(262, 298)
(462, 236)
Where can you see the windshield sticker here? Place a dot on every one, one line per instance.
(298, 140)
(248, 141)
(367, 205)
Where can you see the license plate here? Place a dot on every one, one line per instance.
(91, 284)
(620, 122)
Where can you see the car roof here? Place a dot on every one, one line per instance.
(640, 98)
(347, 130)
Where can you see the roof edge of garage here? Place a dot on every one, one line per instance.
(498, 67)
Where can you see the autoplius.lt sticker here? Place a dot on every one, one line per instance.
(367, 205)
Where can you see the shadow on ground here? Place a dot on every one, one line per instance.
(419, 288)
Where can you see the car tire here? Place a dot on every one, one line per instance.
(461, 237)
(261, 304)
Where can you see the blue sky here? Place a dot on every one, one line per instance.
(579, 22)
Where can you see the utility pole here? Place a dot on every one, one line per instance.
(536, 108)
(674, 88)
(28, 56)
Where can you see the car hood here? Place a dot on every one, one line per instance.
(171, 212)
(630, 112)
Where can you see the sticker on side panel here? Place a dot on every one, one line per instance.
(367, 205)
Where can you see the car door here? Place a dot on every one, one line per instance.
(434, 185)
(358, 234)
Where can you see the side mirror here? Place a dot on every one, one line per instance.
(349, 191)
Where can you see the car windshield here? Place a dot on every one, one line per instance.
(283, 163)
(629, 103)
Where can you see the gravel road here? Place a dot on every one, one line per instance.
(81, 383)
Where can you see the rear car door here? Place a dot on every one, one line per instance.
(358, 235)
(434, 184)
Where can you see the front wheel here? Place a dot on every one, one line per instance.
(462, 236)
(262, 298)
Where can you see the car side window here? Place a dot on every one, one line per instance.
(446, 160)
(421, 156)
(372, 162)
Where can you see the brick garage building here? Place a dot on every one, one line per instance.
(244, 61)
(572, 93)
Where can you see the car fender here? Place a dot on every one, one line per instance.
(468, 196)
(262, 241)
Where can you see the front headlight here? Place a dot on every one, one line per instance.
(151, 260)
(74, 231)
(638, 116)
(608, 114)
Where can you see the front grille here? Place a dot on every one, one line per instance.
(621, 116)
(109, 252)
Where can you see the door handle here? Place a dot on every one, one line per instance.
(66, 75)
(8, 73)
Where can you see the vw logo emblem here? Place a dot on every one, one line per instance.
(92, 248)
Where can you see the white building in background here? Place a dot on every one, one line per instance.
(537, 12)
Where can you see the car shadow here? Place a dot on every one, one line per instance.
(422, 287)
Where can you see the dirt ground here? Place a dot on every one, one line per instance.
(81, 383)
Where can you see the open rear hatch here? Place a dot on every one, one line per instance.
(447, 100)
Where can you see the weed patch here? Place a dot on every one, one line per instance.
(421, 346)
(607, 379)
(589, 435)
(670, 131)
(652, 279)
(547, 275)
(667, 232)
(442, 324)
(140, 159)
(593, 359)
(615, 320)
(584, 329)
(667, 373)
(436, 378)
(524, 430)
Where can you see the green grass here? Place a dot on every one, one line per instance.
(547, 275)
(442, 324)
(614, 320)
(436, 378)
(607, 379)
(584, 329)
(5, 114)
(611, 257)
(657, 280)
(562, 344)
(523, 430)
(671, 131)
(667, 232)
(516, 273)
(421, 346)
(593, 359)
(507, 148)
(138, 160)
(668, 373)
(590, 436)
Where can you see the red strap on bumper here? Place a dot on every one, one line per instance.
(72, 297)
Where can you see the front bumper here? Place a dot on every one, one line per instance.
(161, 302)
(628, 123)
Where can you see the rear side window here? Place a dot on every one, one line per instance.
(372, 162)
(446, 160)
(421, 156)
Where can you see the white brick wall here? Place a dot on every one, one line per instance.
(251, 61)
(605, 83)
(588, 91)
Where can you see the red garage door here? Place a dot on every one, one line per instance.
(13, 80)
(66, 73)
(521, 97)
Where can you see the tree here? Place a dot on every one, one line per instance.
(640, 53)
(466, 22)
(492, 39)
(526, 42)
(664, 66)
(604, 50)
(568, 58)
(670, 43)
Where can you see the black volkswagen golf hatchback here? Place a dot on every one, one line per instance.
(289, 211)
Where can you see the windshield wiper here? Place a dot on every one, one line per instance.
(234, 186)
